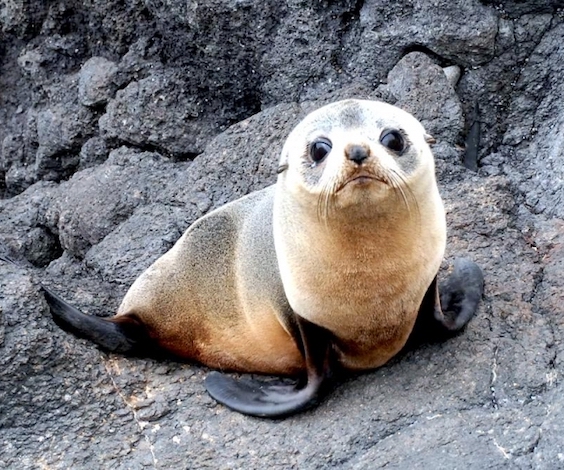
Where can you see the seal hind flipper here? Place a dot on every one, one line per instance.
(124, 334)
(276, 400)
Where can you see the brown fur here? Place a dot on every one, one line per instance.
(214, 296)
(361, 265)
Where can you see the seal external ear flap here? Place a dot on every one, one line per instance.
(283, 165)
(430, 139)
(277, 400)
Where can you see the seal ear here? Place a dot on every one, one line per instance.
(283, 165)
(430, 139)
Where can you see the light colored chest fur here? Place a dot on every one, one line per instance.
(363, 281)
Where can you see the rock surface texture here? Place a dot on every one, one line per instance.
(123, 122)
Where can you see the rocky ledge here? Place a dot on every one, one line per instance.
(123, 122)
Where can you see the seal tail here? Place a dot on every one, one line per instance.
(124, 334)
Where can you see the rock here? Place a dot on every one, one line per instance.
(93, 152)
(48, 145)
(516, 8)
(21, 17)
(535, 132)
(105, 162)
(422, 88)
(61, 131)
(18, 172)
(96, 81)
(452, 73)
(23, 226)
(159, 112)
(98, 199)
(388, 31)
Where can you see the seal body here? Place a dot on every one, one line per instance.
(358, 267)
(328, 268)
(359, 243)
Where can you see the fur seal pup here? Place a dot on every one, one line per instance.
(330, 267)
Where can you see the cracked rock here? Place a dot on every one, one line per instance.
(422, 88)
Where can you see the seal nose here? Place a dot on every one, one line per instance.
(356, 153)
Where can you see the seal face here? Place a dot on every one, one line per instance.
(328, 268)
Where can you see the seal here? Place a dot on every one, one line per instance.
(327, 269)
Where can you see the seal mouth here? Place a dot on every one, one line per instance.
(366, 180)
(361, 180)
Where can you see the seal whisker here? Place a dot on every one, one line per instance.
(331, 202)
(326, 198)
(324, 202)
(399, 184)
(396, 181)
(320, 203)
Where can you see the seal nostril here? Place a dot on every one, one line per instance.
(356, 153)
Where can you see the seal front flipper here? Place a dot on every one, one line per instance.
(461, 294)
(446, 310)
(123, 334)
(277, 400)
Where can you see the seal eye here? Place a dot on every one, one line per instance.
(393, 140)
(319, 149)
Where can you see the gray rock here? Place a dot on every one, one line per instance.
(305, 59)
(93, 152)
(96, 81)
(516, 8)
(422, 88)
(23, 226)
(461, 33)
(21, 17)
(159, 112)
(140, 61)
(192, 78)
(18, 172)
(98, 199)
(452, 73)
(536, 127)
(60, 138)
(48, 145)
